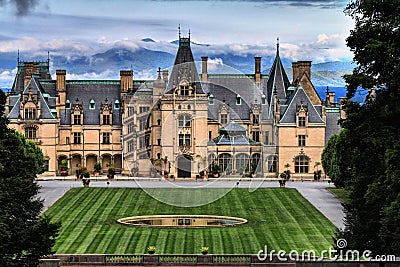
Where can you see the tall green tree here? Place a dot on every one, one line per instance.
(25, 235)
(367, 152)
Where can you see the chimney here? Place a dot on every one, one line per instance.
(61, 80)
(165, 75)
(304, 67)
(331, 96)
(126, 78)
(30, 69)
(295, 68)
(257, 69)
(204, 74)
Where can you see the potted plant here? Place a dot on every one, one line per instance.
(97, 169)
(204, 250)
(215, 170)
(64, 167)
(153, 172)
(111, 171)
(282, 181)
(165, 174)
(135, 171)
(85, 182)
(253, 169)
(151, 249)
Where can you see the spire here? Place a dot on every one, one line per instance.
(189, 34)
(179, 31)
(18, 56)
(48, 56)
(277, 45)
(159, 73)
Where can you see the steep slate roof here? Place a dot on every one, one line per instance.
(299, 97)
(184, 67)
(34, 87)
(18, 84)
(99, 91)
(277, 79)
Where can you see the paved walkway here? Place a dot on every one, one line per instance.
(314, 192)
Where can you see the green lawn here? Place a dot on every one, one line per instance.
(279, 218)
(341, 193)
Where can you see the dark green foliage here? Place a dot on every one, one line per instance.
(24, 235)
(365, 156)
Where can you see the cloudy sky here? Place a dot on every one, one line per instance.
(308, 29)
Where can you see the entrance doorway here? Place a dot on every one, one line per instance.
(184, 166)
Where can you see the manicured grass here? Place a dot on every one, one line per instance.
(341, 193)
(278, 218)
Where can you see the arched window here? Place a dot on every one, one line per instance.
(225, 162)
(263, 100)
(272, 162)
(255, 160)
(242, 161)
(211, 99)
(301, 164)
(238, 99)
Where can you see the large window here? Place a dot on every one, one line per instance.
(184, 139)
(142, 142)
(144, 109)
(131, 128)
(301, 164)
(142, 123)
(256, 136)
(301, 121)
(77, 119)
(256, 119)
(184, 89)
(302, 140)
(255, 160)
(30, 114)
(184, 120)
(106, 138)
(272, 163)
(30, 132)
(242, 161)
(224, 118)
(225, 162)
(77, 138)
(131, 146)
(106, 119)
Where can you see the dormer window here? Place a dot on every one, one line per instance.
(67, 104)
(92, 104)
(184, 90)
(211, 99)
(116, 104)
(263, 100)
(238, 99)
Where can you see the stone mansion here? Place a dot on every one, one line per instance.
(182, 122)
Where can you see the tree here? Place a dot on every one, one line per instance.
(25, 235)
(365, 155)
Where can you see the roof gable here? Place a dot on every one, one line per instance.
(300, 97)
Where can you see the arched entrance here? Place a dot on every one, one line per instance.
(90, 161)
(184, 166)
(76, 163)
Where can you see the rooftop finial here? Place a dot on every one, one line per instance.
(18, 56)
(159, 73)
(179, 31)
(48, 56)
(189, 34)
(277, 45)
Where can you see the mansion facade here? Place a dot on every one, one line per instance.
(183, 122)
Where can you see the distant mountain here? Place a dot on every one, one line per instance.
(145, 62)
(148, 40)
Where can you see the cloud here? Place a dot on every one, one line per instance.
(7, 78)
(295, 3)
(22, 7)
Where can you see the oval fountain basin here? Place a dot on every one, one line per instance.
(182, 221)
